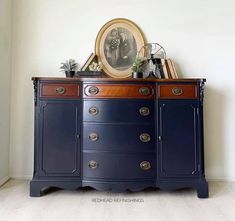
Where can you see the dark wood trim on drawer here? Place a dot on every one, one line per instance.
(138, 91)
(177, 91)
(57, 90)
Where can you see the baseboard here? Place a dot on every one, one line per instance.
(221, 179)
(21, 177)
(4, 180)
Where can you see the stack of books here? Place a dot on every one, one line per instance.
(167, 69)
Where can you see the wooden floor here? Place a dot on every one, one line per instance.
(89, 204)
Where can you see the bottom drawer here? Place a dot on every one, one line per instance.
(119, 166)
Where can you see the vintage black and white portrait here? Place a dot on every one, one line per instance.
(120, 48)
(117, 45)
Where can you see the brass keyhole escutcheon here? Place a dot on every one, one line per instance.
(60, 90)
(145, 165)
(144, 111)
(93, 110)
(177, 91)
(93, 164)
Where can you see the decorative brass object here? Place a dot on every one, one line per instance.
(93, 136)
(145, 165)
(93, 110)
(93, 164)
(93, 90)
(60, 90)
(145, 137)
(144, 91)
(144, 111)
(177, 91)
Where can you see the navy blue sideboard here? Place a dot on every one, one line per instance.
(118, 134)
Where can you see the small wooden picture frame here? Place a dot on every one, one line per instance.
(91, 58)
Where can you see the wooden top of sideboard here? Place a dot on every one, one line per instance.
(102, 79)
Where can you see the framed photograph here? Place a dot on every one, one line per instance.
(91, 58)
(117, 45)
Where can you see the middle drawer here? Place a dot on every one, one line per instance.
(118, 137)
(125, 111)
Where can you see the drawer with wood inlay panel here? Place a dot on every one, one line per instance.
(50, 90)
(177, 91)
(137, 91)
(113, 166)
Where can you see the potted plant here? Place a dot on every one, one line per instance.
(137, 67)
(69, 67)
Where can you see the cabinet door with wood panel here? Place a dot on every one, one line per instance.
(59, 145)
(178, 138)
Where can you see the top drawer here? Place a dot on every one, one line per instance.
(138, 91)
(178, 91)
(59, 90)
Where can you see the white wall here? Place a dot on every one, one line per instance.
(198, 35)
(5, 78)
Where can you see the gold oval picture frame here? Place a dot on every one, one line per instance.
(117, 45)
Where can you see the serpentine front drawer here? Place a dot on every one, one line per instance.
(122, 137)
(137, 91)
(126, 111)
(178, 91)
(113, 166)
(52, 90)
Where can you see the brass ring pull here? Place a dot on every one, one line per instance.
(60, 90)
(93, 90)
(93, 110)
(145, 165)
(93, 164)
(144, 111)
(144, 91)
(145, 137)
(177, 91)
(93, 136)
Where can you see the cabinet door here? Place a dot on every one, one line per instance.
(59, 148)
(178, 138)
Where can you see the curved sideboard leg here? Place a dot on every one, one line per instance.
(36, 188)
(39, 187)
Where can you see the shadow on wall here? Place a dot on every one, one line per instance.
(214, 134)
(178, 69)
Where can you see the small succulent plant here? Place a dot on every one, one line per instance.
(69, 65)
(138, 64)
(95, 66)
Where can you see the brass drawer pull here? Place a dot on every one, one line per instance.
(145, 137)
(145, 165)
(93, 136)
(177, 91)
(144, 91)
(144, 111)
(93, 90)
(93, 164)
(60, 90)
(93, 110)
